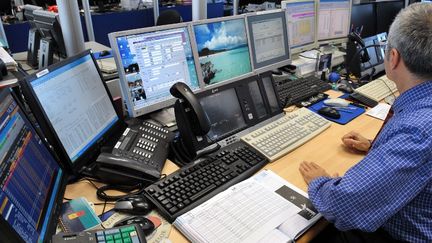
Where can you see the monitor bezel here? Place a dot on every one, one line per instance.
(243, 76)
(332, 41)
(6, 229)
(276, 64)
(93, 151)
(308, 46)
(122, 75)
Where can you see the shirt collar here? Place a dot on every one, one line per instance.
(410, 96)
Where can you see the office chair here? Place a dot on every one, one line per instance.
(169, 17)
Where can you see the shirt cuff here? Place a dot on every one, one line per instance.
(316, 184)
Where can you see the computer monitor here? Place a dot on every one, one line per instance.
(72, 105)
(223, 49)
(301, 19)
(34, 35)
(32, 182)
(333, 21)
(52, 41)
(150, 61)
(269, 40)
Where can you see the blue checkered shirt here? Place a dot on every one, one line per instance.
(392, 186)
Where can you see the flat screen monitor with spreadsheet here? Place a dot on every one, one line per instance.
(269, 40)
(223, 49)
(301, 19)
(32, 182)
(333, 21)
(150, 61)
(74, 108)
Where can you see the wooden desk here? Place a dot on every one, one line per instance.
(326, 149)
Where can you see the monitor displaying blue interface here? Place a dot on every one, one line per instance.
(333, 19)
(29, 176)
(151, 62)
(269, 39)
(223, 50)
(76, 104)
(301, 18)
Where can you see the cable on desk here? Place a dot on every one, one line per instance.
(102, 195)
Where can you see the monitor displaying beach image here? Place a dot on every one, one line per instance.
(223, 50)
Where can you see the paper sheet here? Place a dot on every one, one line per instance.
(379, 111)
(243, 213)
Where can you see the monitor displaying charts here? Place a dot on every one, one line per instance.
(333, 20)
(223, 49)
(301, 18)
(150, 61)
(269, 40)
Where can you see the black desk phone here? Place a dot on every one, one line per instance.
(138, 156)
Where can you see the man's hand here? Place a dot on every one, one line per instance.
(356, 141)
(311, 171)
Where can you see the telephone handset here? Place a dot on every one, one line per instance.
(354, 37)
(192, 124)
(197, 114)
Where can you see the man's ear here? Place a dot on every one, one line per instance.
(395, 58)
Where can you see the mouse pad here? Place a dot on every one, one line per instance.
(348, 114)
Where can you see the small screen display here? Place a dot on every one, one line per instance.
(224, 113)
(271, 95)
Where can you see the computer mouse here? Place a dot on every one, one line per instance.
(146, 225)
(345, 88)
(336, 102)
(104, 53)
(136, 204)
(329, 112)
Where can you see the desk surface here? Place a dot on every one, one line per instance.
(326, 149)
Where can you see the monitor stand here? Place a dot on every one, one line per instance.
(46, 53)
(165, 117)
(33, 47)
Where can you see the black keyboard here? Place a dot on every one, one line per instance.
(363, 99)
(194, 184)
(294, 91)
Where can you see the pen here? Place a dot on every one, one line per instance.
(342, 109)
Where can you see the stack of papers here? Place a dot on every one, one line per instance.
(263, 208)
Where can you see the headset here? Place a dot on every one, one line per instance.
(192, 123)
(354, 37)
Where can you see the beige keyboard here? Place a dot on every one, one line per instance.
(287, 133)
(378, 89)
